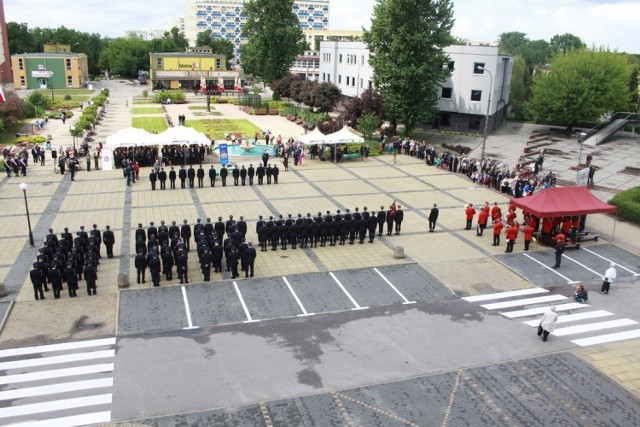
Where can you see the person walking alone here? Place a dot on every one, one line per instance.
(609, 276)
(547, 322)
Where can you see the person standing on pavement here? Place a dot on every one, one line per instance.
(152, 179)
(547, 322)
(483, 217)
(609, 277)
(497, 229)
(212, 176)
(162, 177)
(249, 256)
(382, 218)
(200, 175)
(140, 262)
(511, 234)
(433, 217)
(469, 212)
(37, 280)
(528, 235)
(397, 219)
(559, 250)
(172, 178)
(109, 239)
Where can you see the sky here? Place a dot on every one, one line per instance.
(608, 23)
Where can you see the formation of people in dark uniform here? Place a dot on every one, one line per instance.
(190, 176)
(171, 155)
(335, 229)
(70, 259)
(162, 248)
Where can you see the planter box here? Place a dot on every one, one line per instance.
(221, 101)
(274, 112)
(260, 112)
(180, 101)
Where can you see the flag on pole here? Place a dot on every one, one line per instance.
(2, 97)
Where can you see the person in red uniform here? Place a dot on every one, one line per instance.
(528, 235)
(495, 211)
(483, 217)
(561, 236)
(547, 226)
(511, 233)
(566, 225)
(511, 215)
(497, 229)
(470, 212)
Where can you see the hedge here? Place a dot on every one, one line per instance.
(628, 203)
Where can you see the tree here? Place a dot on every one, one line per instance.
(407, 41)
(369, 102)
(367, 124)
(283, 85)
(512, 42)
(328, 96)
(178, 38)
(126, 56)
(223, 47)
(581, 86)
(204, 38)
(519, 79)
(20, 38)
(14, 110)
(535, 53)
(564, 43)
(274, 37)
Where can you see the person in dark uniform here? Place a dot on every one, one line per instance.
(206, 260)
(343, 231)
(353, 228)
(52, 240)
(274, 235)
(269, 173)
(260, 173)
(152, 179)
(183, 270)
(219, 228)
(182, 174)
(167, 264)
(382, 217)
(250, 173)
(397, 218)
(236, 176)
(172, 178)
(275, 171)
(559, 250)
(37, 280)
(223, 175)
(249, 258)
(265, 159)
(162, 177)
(55, 278)
(216, 257)
(97, 235)
(433, 217)
(185, 233)
(363, 226)
(154, 269)
(243, 175)
(263, 237)
(200, 177)
(389, 221)
(212, 176)
(152, 231)
(140, 262)
(372, 223)
(191, 174)
(69, 276)
(233, 262)
(90, 276)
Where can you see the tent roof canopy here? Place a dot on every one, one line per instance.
(563, 201)
(343, 136)
(134, 137)
(128, 137)
(313, 137)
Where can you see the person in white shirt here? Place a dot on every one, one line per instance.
(609, 276)
(547, 322)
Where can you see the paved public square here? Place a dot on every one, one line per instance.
(320, 336)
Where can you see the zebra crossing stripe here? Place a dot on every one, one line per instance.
(56, 388)
(56, 373)
(603, 339)
(522, 302)
(507, 294)
(71, 421)
(539, 310)
(55, 405)
(57, 347)
(573, 317)
(591, 327)
(74, 357)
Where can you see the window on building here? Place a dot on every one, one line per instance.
(446, 93)
(340, 59)
(324, 77)
(353, 81)
(362, 63)
(348, 80)
(68, 63)
(218, 63)
(451, 65)
(478, 68)
(361, 83)
(476, 95)
(339, 78)
(69, 81)
(23, 82)
(474, 123)
(159, 63)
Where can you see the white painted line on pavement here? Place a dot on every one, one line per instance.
(506, 294)
(406, 301)
(56, 347)
(67, 358)
(55, 405)
(521, 302)
(591, 327)
(56, 373)
(582, 265)
(603, 339)
(607, 259)
(19, 393)
(187, 309)
(573, 317)
(569, 281)
(304, 310)
(244, 306)
(71, 421)
(353, 301)
(539, 310)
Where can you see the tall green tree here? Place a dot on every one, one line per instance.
(20, 38)
(512, 42)
(407, 41)
(519, 77)
(223, 47)
(561, 43)
(204, 38)
(178, 38)
(582, 85)
(126, 56)
(274, 37)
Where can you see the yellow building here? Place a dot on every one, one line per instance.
(188, 70)
(50, 70)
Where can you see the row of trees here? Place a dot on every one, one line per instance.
(320, 97)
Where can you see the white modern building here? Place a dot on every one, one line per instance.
(145, 34)
(225, 18)
(307, 66)
(476, 71)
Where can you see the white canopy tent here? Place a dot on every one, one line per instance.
(344, 136)
(181, 135)
(129, 137)
(313, 137)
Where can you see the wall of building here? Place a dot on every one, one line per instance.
(5, 59)
(186, 70)
(69, 71)
(346, 64)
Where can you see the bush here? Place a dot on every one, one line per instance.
(36, 139)
(174, 95)
(628, 203)
(67, 97)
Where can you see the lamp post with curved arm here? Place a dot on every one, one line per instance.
(486, 118)
(24, 187)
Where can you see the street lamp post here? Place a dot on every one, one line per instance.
(73, 134)
(486, 118)
(581, 136)
(24, 187)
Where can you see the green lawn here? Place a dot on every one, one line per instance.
(77, 95)
(150, 124)
(147, 110)
(216, 128)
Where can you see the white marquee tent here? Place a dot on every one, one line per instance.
(313, 137)
(344, 136)
(181, 135)
(129, 137)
